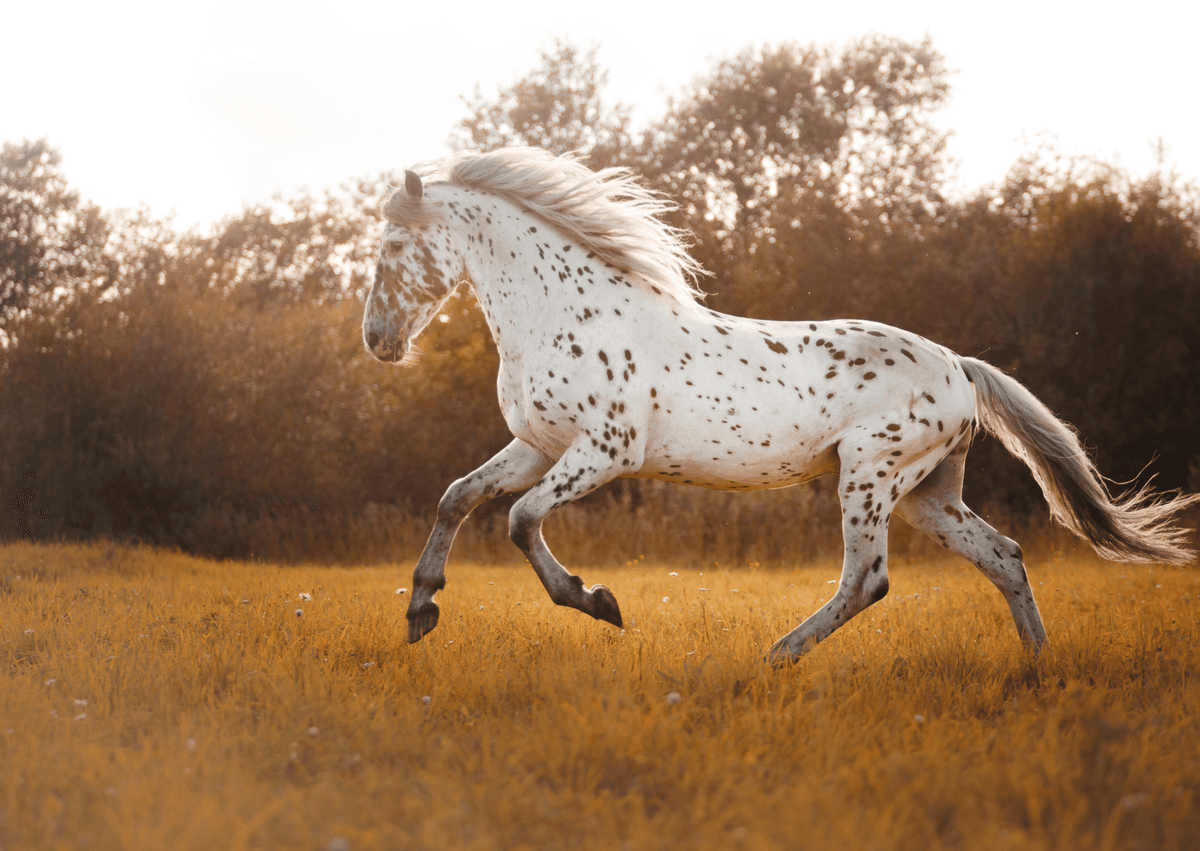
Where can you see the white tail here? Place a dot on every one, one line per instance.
(1130, 527)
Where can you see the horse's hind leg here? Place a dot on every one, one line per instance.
(514, 468)
(865, 513)
(935, 507)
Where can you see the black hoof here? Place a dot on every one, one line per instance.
(604, 606)
(421, 620)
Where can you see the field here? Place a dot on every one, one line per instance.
(153, 700)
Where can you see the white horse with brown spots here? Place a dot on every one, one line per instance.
(609, 366)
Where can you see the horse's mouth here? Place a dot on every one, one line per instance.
(386, 351)
(391, 354)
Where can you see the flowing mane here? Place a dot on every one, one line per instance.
(607, 211)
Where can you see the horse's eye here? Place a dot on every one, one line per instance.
(393, 246)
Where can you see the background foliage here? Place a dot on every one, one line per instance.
(209, 390)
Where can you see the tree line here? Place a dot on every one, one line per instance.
(209, 390)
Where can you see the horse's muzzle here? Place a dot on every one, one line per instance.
(387, 351)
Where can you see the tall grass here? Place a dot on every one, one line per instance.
(154, 700)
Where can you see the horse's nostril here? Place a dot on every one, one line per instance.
(372, 340)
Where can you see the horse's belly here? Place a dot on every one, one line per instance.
(755, 466)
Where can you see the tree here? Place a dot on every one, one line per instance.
(557, 106)
(300, 249)
(52, 245)
(789, 153)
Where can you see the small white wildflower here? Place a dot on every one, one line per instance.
(305, 597)
(920, 719)
(367, 665)
(427, 700)
(674, 697)
(672, 573)
(190, 744)
(314, 731)
(401, 590)
(666, 599)
(299, 613)
(79, 702)
(81, 716)
(50, 682)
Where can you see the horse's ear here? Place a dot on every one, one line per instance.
(412, 185)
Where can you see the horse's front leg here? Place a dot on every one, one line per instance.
(578, 472)
(514, 468)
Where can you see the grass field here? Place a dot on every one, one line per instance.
(152, 700)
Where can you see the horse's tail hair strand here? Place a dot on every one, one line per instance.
(1136, 526)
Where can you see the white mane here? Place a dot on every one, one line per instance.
(606, 211)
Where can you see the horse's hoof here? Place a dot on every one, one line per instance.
(782, 654)
(604, 606)
(421, 620)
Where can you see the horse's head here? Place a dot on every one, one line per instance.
(417, 271)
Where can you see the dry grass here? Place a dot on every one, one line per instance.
(152, 700)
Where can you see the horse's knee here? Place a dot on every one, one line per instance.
(522, 527)
(450, 506)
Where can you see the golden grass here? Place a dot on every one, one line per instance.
(152, 700)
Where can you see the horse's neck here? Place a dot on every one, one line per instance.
(530, 278)
(515, 262)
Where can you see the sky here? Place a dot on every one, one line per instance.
(193, 110)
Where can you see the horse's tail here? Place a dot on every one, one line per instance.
(1129, 527)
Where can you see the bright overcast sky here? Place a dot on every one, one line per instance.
(201, 107)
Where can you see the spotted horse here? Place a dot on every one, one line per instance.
(611, 366)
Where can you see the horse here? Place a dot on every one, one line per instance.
(610, 366)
